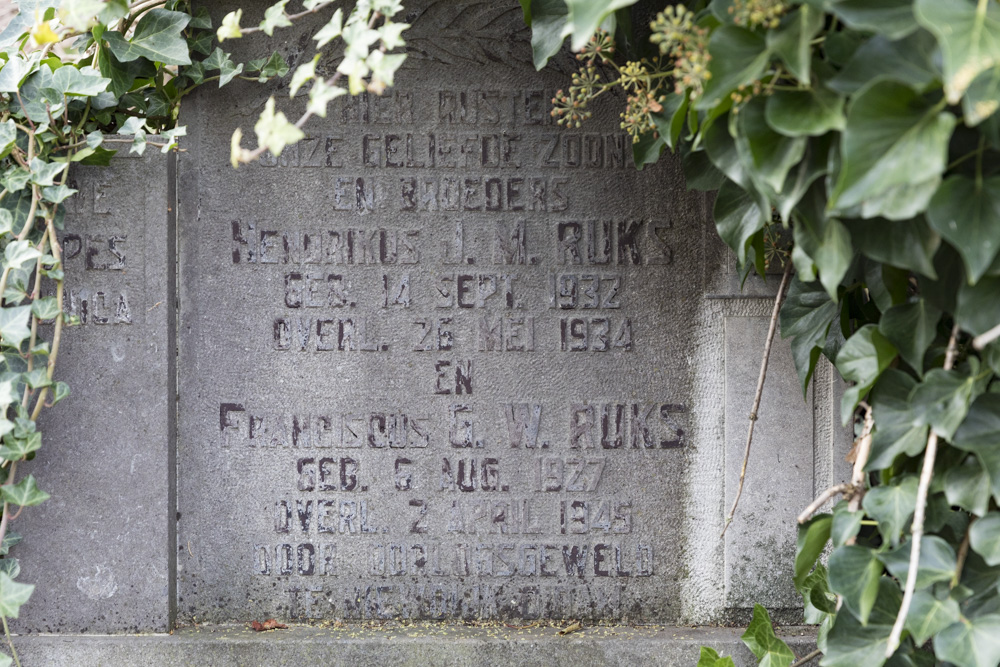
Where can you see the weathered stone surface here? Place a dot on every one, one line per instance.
(419, 644)
(99, 550)
(448, 360)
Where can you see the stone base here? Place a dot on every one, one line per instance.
(420, 643)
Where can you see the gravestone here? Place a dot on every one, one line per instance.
(442, 360)
(99, 550)
(445, 359)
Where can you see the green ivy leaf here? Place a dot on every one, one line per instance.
(739, 57)
(978, 309)
(709, 657)
(61, 391)
(893, 18)
(16, 70)
(846, 524)
(892, 507)
(894, 138)
(828, 245)
(157, 37)
(968, 215)
(855, 572)
(766, 155)
(19, 253)
(970, 642)
(44, 173)
(806, 317)
(763, 643)
(57, 193)
(670, 121)
(820, 597)
(969, 35)
(584, 17)
(911, 328)
(968, 486)
(850, 644)
(9, 540)
(861, 360)
(8, 135)
(737, 218)
(812, 539)
(928, 615)
(11, 566)
(812, 112)
(937, 561)
(792, 40)
(25, 493)
(942, 400)
(15, 449)
(13, 595)
(908, 244)
(85, 81)
(984, 538)
(908, 60)
(14, 322)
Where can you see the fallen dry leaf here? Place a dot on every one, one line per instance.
(269, 624)
(571, 628)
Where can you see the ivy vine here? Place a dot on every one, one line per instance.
(74, 72)
(868, 133)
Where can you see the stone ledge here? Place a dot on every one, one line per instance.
(413, 644)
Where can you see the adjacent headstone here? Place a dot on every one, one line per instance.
(99, 550)
(445, 359)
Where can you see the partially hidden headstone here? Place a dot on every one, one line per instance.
(445, 359)
(98, 551)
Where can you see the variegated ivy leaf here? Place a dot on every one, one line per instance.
(305, 72)
(391, 34)
(274, 131)
(322, 94)
(171, 136)
(274, 17)
(17, 253)
(230, 28)
(331, 30)
(44, 173)
(13, 595)
(79, 15)
(310, 5)
(6, 222)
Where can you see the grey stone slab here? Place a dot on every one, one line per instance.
(434, 361)
(760, 544)
(98, 550)
(417, 644)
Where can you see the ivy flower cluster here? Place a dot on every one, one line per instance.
(754, 13)
(687, 44)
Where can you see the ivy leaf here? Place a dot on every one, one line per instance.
(861, 360)
(303, 73)
(984, 538)
(937, 561)
(968, 215)
(851, 644)
(980, 433)
(709, 657)
(970, 642)
(893, 18)
(14, 322)
(584, 17)
(11, 539)
(320, 95)
(15, 449)
(982, 98)
(17, 253)
(275, 66)
(942, 400)
(812, 539)
(16, 70)
(968, 486)
(813, 112)
(846, 524)
(908, 244)
(85, 81)
(820, 596)
(806, 317)
(274, 131)
(892, 507)
(969, 35)
(928, 615)
(230, 28)
(335, 26)
(855, 572)
(737, 218)
(792, 40)
(978, 309)
(893, 138)
(157, 37)
(670, 121)
(11, 566)
(57, 193)
(908, 60)
(911, 328)
(25, 493)
(274, 17)
(8, 135)
(13, 595)
(763, 643)
(44, 173)
(45, 308)
(738, 58)
(766, 155)
(828, 245)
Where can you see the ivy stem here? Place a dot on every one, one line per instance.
(963, 552)
(760, 390)
(57, 329)
(984, 339)
(35, 293)
(821, 500)
(806, 658)
(6, 633)
(917, 529)
(861, 460)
